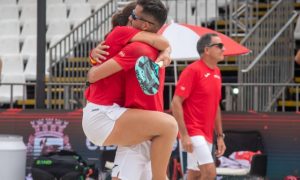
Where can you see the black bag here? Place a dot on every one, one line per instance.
(62, 165)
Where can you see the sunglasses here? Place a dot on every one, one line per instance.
(135, 17)
(219, 45)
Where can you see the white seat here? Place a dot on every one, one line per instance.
(28, 13)
(222, 3)
(206, 12)
(10, 28)
(56, 12)
(18, 92)
(58, 29)
(30, 69)
(96, 4)
(27, 2)
(8, 2)
(54, 2)
(9, 45)
(12, 64)
(29, 47)
(78, 13)
(12, 72)
(70, 3)
(170, 5)
(297, 29)
(9, 12)
(29, 29)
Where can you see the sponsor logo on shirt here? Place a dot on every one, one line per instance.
(182, 88)
(217, 76)
(121, 53)
(206, 75)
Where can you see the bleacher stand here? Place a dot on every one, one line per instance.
(18, 36)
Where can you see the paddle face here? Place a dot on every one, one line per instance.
(147, 73)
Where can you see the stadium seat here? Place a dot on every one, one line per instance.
(206, 10)
(171, 9)
(30, 69)
(29, 29)
(12, 72)
(56, 12)
(9, 45)
(181, 10)
(28, 13)
(78, 13)
(29, 47)
(9, 28)
(9, 12)
(54, 2)
(71, 3)
(18, 92)
(297, 29)
(12, 64)
(96, 4)
(8, 2)
(58, 29)
(27, 2)
(222, 3)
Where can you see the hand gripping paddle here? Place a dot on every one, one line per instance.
(147, 73)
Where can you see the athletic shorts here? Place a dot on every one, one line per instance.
(201, 153)
(98, 121)
(133, 162)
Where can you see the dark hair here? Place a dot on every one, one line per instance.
(204, 41)
(121, 18)
(156, 9)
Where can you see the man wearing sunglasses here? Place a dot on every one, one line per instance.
(195, 106)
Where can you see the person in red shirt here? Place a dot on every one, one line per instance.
(116, 40)
(195, 106)
(132, 126)
(138, 166)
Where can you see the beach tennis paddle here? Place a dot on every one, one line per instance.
(147, 73)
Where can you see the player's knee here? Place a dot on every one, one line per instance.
(172, 124)
(209, 174)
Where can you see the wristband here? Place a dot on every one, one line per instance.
(92, 60)
(222, 135)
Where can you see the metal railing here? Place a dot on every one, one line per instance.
(234, 15)
(68, 58)
(68, 64)
(288, 99)
(79, 42)
(271, 60)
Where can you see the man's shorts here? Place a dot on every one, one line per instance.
(98, 121)
(201, 153)
(133, 162)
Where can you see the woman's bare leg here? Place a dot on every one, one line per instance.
(136, 126)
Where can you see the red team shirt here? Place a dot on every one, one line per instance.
(134, 96)
(201, 88)
(110, 90)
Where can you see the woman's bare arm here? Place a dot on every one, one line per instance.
(104, 70)
(157, 41)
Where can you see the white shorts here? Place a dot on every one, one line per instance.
(98, 121)
(133, 162)
(201, 153)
